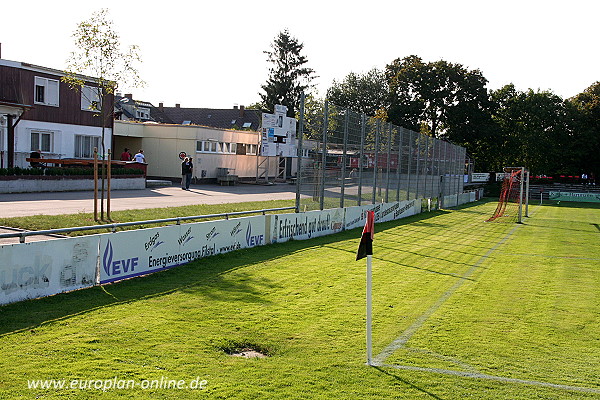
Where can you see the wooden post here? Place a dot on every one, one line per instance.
(96, 184)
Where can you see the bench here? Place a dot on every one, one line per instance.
(225, 177)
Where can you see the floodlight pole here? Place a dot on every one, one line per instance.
(369, 309)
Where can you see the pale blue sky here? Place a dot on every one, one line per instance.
(210, 53)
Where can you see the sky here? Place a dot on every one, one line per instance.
(210, 54)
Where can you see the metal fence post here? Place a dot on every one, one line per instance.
(299, 164)
(409, 166)
(399, 166)
(432, 193)
(324, 155)
(376, 162)
(389, 162)
(344, 157)
(363, 132)
(418, 172)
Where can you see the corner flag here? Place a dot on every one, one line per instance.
(366, 242)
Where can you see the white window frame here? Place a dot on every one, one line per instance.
(141, 112)
(80, 148)
(89, 95)
(251, 149)
(39, 142)
(51, 91)
(211, 146)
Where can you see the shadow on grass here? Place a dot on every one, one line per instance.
(407, 383)
(207, 277)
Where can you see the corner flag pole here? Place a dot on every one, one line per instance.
(365, 249)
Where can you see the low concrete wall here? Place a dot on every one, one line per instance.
(65, 184)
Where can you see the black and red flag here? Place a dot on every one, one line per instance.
(366, 242)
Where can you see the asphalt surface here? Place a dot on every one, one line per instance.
(57, 203)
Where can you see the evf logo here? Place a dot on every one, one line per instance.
(253, 240)
(116, 267)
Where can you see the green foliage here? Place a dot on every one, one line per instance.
(535, 129)
(436, 94)
(55, 171)
(288, 75)
(504, 127)
(366, 93)
(585, 137)
(98, 54)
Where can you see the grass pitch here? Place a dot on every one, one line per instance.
(462, 309)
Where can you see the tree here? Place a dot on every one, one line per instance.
(98, 55)
(288, 76)
(586, 137)
(366, 93)
(535, 129)
(429, 97)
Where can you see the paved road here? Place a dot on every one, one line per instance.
(55, 203)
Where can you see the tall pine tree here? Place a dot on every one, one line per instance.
(288, 75)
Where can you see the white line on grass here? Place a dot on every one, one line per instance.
(547, 256)
(411, 330)
(478, 375)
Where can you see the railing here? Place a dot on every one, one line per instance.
(113, 227)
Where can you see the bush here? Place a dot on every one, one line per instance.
(56, 171)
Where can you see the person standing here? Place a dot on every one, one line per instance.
(186, 173)
(139, 157)
(126, 155)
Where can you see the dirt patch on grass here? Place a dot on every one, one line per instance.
(244, 348)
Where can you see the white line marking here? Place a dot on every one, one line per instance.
(411, 330)
(477, 375)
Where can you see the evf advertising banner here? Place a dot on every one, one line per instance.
(133, 253)
(356, 216)
(39, 269)
(307, 225)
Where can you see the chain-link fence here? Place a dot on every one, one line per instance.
(350, 159)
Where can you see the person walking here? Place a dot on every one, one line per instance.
(186, 173)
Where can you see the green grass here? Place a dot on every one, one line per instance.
(42, 222)
(529, 310)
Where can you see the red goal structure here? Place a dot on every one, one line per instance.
(514, 196)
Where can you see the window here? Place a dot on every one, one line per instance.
(143, 113)
(208, 146)
(251, 149)
(46, 91)
(41, 141)
(90, 98)
(84, 145)
(241, 149)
